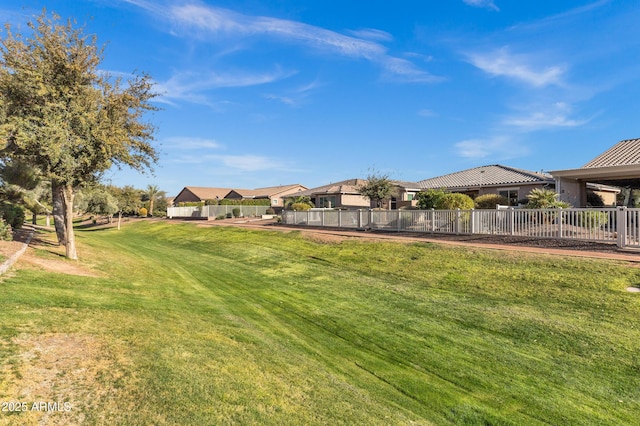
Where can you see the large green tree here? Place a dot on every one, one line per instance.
(61, 115)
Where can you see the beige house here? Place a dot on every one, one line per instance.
(514, 184)
(346, 195)
(276, 194)
(343, 194)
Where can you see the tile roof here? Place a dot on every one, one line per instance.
(624, 153)
(493, 175)
(205, 193)
(349, 186)
(266, 192)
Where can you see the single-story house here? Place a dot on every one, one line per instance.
(513, 184)
(191, 194)
(276, 194)
(346, 194)
(343, 194)
(619, 167)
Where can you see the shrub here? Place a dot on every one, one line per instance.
(12, 214)
(142, 212)
(236, 212)
(300, 207)
(6, 234)
(455, 201)
(593, 220)
(429, 199)
(545, 199)
(489, 201)
(221, 216)
(270, 211)
(228, 215)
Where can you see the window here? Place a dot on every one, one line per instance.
(326, 201)
(511, 195)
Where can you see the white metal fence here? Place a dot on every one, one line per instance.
(610, 225)
(214, 211)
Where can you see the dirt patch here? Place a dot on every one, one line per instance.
(325, 238)
(8, 248)
(56, 379)
(52, 262)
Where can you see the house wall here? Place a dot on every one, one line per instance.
(186, 196)
(352, 200)
(570, 190)
(279, 200)
(608, 197)
(233, 195)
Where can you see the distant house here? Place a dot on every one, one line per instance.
(346, 195)
(514, 184)
(190, 194)
(276, 194)
(343, 194)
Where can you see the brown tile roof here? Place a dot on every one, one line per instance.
(624, 153)
(349, 186)
(205, 193)
(493, 175)
(266, 192)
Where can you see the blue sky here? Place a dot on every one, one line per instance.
(263, 93)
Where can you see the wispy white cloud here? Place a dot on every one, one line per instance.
(487, 4)
(190, 86)
(502, 63)
(283, 99)
(295, 97)
(556, 115)
(209, 21)
(372, 34)
(497, 148)
(426, 113)
(235, 163)
(189, 143)
(564, 16)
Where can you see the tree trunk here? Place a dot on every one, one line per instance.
(48, 221)
(34, 218)
(150, 206)
(119, 218)
(68, 210)
(57, 193)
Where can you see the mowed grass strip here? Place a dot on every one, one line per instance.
(229, 326)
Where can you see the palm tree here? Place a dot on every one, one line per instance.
(152, 192)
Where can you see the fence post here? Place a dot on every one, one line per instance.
(398, 224)
(473, 221)
(560, 218)
(339, 218)
(433, 220)
(370, 219)
(512, 220)
(457, 222)
(359, 218)
(621, 227)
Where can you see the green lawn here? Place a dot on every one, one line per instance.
(189, 325)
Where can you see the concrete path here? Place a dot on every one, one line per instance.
(28, 235)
